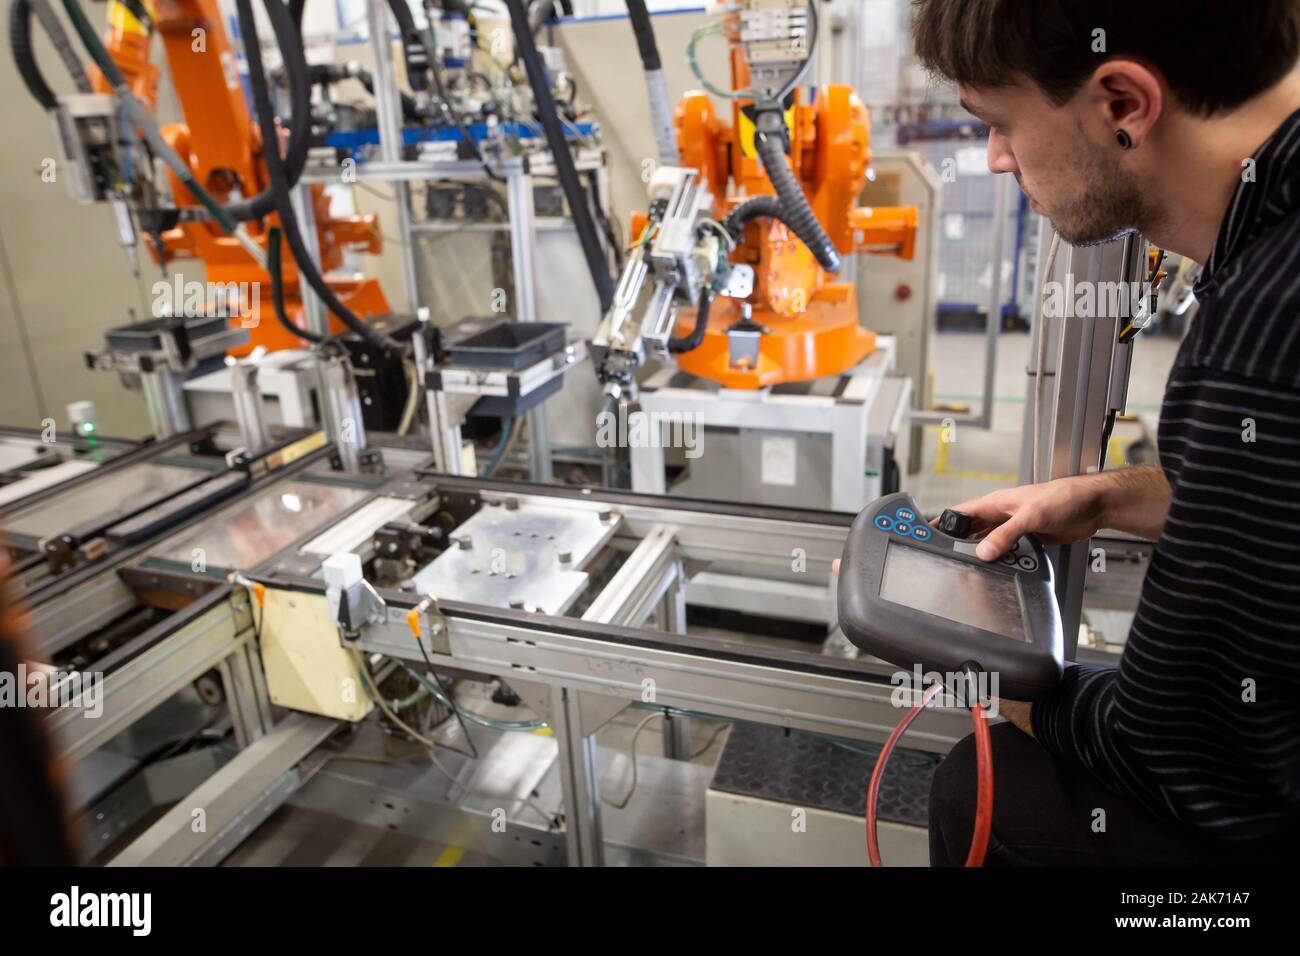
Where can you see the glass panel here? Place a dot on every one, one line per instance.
(122, 491)
(249, 532)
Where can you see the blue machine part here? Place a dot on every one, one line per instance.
(357, 140)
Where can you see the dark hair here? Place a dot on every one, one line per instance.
(1214, 54)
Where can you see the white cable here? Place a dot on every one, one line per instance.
(631, 752)
(250, 245)
(412, 397)
(1049, 266)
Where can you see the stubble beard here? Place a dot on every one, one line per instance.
(1107, 206)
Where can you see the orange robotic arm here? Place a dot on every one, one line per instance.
(223, 148)
(811, 321)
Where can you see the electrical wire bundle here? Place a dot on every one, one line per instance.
(730, 29)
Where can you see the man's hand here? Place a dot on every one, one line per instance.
(1135, 500)
(1017, 712)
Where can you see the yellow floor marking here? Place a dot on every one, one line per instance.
(449, 857)
(941, 464)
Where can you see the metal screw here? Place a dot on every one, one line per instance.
(465, 543)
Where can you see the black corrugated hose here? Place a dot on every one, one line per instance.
(751, 208)
(691, 341)
(20, 44)
(769, 143)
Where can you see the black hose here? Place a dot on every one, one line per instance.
(770, 206)
(691, 341)
(275, 167)
(645, 34)
(606, 228)
(20, 44)
(566, 172)
(769, 143)
(277, 288)
(752, 208)
(288, 34)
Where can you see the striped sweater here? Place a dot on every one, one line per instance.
(1200, 722)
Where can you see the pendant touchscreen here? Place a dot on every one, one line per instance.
(913, 595)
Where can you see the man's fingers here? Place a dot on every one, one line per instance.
(988, 510)
(1004, 537)
(835, 566)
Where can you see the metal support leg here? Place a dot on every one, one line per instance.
(348, 426)
(410, 282)
(444, 433)
(539, 446)
(165, 402)
(578, 780)
(250, 710)
(849, 458)
(523, 252)
(249, 413)
(389, 118)
(648, 475)
(677, 737)
(671, 617)
(313, 309)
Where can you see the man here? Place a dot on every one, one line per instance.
(33, 827)
(1181, 121)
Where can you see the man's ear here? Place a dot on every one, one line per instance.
(1130, 96)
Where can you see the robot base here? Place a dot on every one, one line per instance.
(822, 341)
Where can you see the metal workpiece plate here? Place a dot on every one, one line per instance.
(526, 557)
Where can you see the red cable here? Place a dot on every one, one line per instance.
(979, 841)
(984, 794)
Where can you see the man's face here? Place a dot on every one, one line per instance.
(1066, 163)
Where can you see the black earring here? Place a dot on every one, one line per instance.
(1122, 137)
